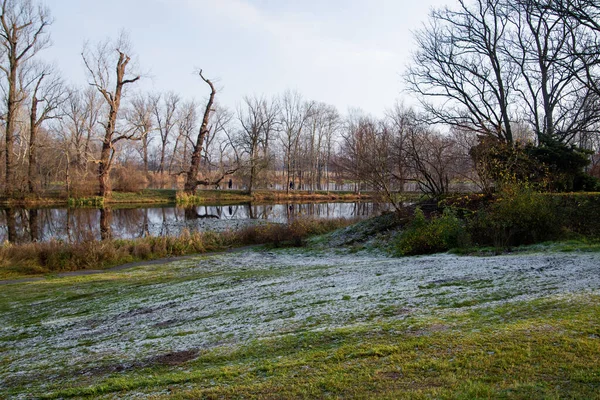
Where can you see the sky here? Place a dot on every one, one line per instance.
(349, 53)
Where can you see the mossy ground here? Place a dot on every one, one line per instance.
(296, 323)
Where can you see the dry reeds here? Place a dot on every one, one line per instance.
(58, 256)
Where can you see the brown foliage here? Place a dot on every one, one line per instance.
(128, 179)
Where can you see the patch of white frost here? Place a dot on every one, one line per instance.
(233, 298)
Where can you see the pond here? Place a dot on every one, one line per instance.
(78, 224)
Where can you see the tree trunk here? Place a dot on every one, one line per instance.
(33, 128)
(145, 153)
(34, 225)
(11, 225)
(106, 153)
(191, 181)
(10, 129)
(114, 103)
(104, 172)
(105, 220)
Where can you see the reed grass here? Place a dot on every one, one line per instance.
(58, 256)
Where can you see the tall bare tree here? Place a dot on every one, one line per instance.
(79, 124)
(23, 33)
(187, 126)
(367, 156)
(460, 72)
(100, 63)
(294, 114)
(431, 158)
(140, 117)
(257, 118)
(191, 180)
(165, 110)
(556, 102)
(47, 97)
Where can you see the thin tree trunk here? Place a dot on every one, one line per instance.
(33, 128)
(10, 128)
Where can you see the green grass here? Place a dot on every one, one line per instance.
(547, 348)
(564, 246)
(165, 196)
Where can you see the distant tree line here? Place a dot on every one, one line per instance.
(507, 88)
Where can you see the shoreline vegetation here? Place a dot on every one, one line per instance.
(174, 197)
(471, 225)
(462, 224)
(42, 258)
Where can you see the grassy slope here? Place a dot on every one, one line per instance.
(541, 348)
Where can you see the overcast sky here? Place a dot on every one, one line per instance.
(349, 53)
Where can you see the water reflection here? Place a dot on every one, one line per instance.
(75, 225)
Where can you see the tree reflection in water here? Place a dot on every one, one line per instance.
(105, 223)
(76, 225)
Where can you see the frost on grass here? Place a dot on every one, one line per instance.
(61, 331)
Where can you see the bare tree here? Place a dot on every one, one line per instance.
(140, 117)
(557, 103)
(191, 181)
(165, 110)
(353, 147)
(294, 113)
(47, 96)
(187, 122)
(459, 71)
(431, 158)
(490, 65)
(98, 63)
(23, 33)
(256, 117)
(79, 125)
(321, 128)
(368, 156)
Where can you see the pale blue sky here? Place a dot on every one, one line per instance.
(347, 53)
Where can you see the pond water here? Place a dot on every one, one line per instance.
(78, 224)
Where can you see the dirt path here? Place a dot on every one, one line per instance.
(159, 261)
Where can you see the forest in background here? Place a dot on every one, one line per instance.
(508, 91)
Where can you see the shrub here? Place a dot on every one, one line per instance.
(94, 201)
(83, 184)
(162, 181)
(436, 235)
(517, 216)
(129, 180)
(579, 212)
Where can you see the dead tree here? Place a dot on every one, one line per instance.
(191, 180)
(98, 66)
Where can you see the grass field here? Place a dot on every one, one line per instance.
(301, 323)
